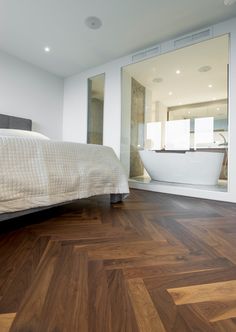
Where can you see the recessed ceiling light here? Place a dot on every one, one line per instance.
(93, 22)
(189, 112)
(217, 108)
(157, 80)
(210, 85)
(178, 71)
(47, 49)
(170, 93)
(204, 69)
(229, 2)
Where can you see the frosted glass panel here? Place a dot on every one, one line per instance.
(204, 131)
(177, 135)
(153, 136)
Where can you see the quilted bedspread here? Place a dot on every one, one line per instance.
(37, 173)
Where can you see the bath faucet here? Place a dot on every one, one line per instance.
(225, 142)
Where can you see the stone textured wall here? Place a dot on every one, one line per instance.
(137, 127)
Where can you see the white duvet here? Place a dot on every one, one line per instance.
(37, 172)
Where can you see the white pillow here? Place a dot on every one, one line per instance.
(21, 133)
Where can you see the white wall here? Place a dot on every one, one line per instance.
(30, 92)
(75, 110)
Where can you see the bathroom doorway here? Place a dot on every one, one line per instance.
(175, 117)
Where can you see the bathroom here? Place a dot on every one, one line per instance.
(175, 118)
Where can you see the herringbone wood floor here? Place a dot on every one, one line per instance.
(153, 263)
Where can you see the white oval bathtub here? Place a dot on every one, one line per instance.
(192, 167)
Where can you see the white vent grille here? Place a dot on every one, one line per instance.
(194, 38)
(148, 53)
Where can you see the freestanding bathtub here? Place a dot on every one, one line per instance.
(192, 167)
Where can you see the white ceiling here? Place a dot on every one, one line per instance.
(190, 86)
(26, 26)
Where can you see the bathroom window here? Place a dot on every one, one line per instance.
(177, 135)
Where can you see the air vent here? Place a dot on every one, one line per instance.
(153, 51)
(139, 56)
(148, 53)
(194, 38)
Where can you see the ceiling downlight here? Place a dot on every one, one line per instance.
(204, 69)
(93, 22)
(157, 80)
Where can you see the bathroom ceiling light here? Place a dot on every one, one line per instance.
(178, 72)
(170, 93)
(47, 49)
(210, 85)
(204, 69)
(93, 22)
(157, 80)
(229, 2)
(217, 108)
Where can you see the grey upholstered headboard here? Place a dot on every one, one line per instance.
(13, 122)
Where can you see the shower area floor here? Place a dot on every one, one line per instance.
(146, 181)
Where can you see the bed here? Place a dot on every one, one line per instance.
(37, 173)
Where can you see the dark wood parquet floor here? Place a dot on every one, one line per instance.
(154, 263)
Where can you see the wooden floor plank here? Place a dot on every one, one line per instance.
(218, 291)
(99, 299)
(130, 249)
(155, 262)
(215, 311)
(181, 265)
(28, 316)
(122, 312)
(191, 279)
(6, 321)
(228, 325)
(146, 314)
(194, 320)
(23, 276)
(168, 311)
(66, 303)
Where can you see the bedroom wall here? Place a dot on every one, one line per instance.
(76, 104)
(75, 110)
(28, 91)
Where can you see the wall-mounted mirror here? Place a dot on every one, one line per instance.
(95, 109)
